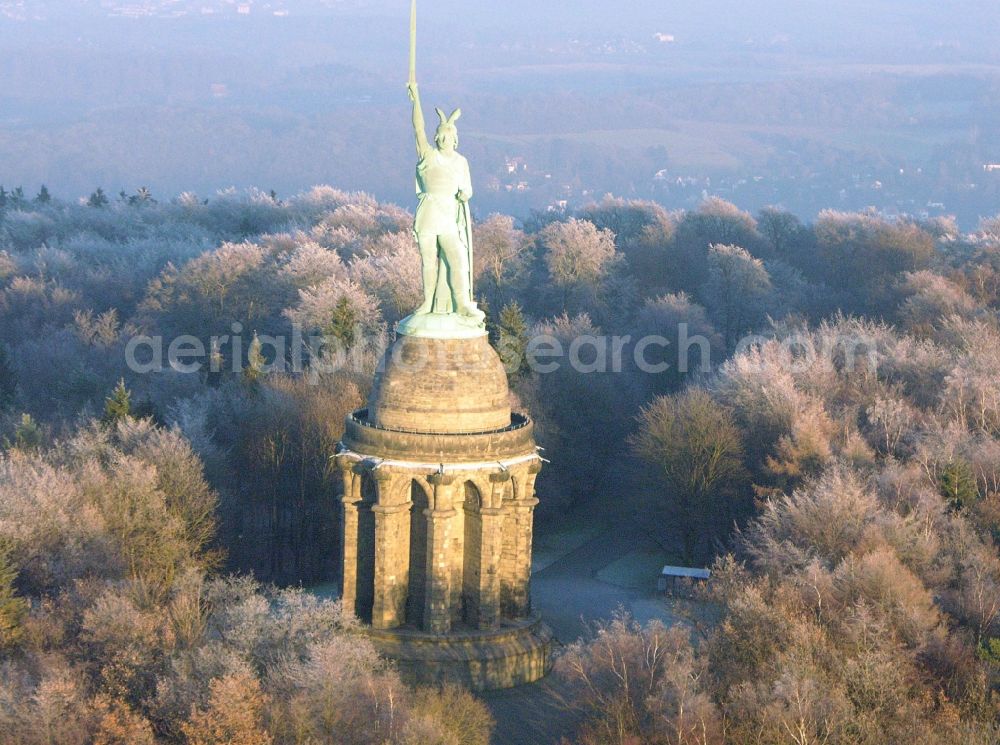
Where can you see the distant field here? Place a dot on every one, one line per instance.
(701, 145)
(589, 101)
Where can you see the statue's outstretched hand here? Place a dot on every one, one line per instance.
(411, 89)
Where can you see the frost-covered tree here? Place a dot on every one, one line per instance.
(715, 222)
(698, 450)
(863, 255)
(738, 291)
(501, 257)
(932, 299)
(577, 255)
(693, 345)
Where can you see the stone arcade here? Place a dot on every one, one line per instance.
(439, 495)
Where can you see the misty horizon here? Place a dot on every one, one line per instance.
(803, 105)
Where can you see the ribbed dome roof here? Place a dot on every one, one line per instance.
(440, 386)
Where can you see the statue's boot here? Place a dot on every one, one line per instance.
(469, 310)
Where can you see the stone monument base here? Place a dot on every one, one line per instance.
(441, 326)
(516, 652)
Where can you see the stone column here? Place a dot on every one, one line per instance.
(456, 551)
(437, 610)
(392, 553)
(489, 590)
(349, 535)
(491, 551)
(523, 514)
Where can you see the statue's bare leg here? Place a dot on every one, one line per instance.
(458, 272)
(429, 267)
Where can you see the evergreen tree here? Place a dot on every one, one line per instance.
(254, 370)
(216, 361)
(118, 405)
(142, 196)
(98, 198)
(492, 327)
(512, 340)
(4, 197)
(8, 386)
(343, 322)
(17, 197)
(989, 652)
(12, 607)
(43, 196)
(27, 434)
(957, 484)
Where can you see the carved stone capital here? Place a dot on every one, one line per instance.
(381, 475)
(391, 509)
(525, 505)
(351, 500)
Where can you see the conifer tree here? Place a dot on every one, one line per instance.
(512, 339)
(8, 385)
(118, 405)
(213, 374)
(254, 370)
(12, 607)
(491, 321)
(958, 484)
(343, 322)
(27, 434)
(142, 196)
(98, 198)
(989, 652)
(43, 196)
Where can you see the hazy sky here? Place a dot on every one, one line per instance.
(840, 24)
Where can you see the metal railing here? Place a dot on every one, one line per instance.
(517, 421)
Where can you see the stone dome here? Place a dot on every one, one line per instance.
(440, 386)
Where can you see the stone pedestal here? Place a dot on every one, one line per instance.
(439, 497)
(504, 656)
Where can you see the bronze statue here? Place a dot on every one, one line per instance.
(443, 224)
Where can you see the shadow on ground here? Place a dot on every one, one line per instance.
(582, 575)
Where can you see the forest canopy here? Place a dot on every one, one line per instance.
(817, 417)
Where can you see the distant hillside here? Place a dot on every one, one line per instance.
(799, 105)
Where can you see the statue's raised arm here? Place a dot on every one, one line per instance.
(419, 125)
